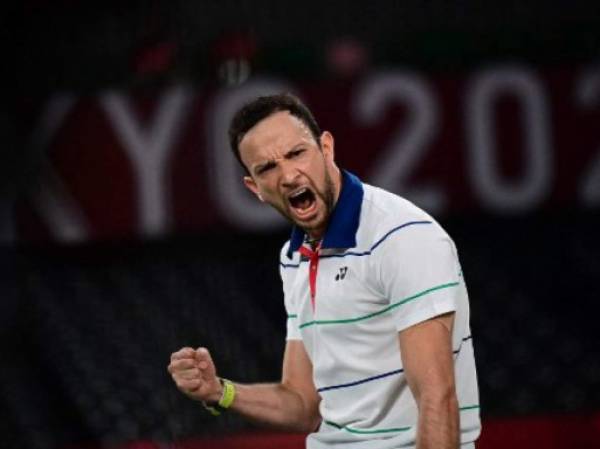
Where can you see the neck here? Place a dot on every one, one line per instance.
(312, 242)
(314, 235)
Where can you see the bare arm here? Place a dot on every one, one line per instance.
(291, 404)
(429, 368)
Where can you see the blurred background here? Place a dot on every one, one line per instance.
(125, 232)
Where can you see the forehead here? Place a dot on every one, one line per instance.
(275, 133)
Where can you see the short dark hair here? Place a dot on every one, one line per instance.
(262, 107)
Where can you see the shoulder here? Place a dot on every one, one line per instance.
(385, 216)
(383, 205)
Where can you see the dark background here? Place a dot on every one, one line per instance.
(88, 320)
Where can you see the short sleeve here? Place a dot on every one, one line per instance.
(419, 274)
(293, 331)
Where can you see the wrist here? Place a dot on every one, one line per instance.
(225, 399)
(215, 397)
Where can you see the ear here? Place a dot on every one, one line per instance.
(327, 145)
(251, 185)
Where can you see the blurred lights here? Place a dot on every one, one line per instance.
(233, 56)
(155, 59)
(233, 72)
(347, 56)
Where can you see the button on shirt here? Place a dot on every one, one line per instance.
(383, 265)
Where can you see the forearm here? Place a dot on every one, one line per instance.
(438, 426)
(275, 405)
(292, 404)
(426, 350)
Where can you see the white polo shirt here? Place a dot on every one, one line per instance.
(384, 265)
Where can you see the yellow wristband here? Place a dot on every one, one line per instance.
(228, 394)
(226, 400)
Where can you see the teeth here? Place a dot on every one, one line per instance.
(298, 193)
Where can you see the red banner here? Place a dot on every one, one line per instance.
(559, 432)
(502, 140)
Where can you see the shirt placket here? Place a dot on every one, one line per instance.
(313, 269)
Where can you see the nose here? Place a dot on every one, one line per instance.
(289, 174)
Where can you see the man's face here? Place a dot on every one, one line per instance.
(290, 171)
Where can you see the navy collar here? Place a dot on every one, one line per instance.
(343, 223)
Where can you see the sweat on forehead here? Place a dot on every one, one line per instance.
(280, 125)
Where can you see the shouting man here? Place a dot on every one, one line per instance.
(379, 352)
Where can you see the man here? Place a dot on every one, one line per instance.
(379, 351)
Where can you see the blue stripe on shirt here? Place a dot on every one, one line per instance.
(364, 253)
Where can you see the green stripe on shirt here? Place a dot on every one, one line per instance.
(468, 407)
(386, 309)
(350, 429)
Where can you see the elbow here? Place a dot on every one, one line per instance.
(304, 424)
(312, 423)
(306, 417)
(311, 419)
(308, 425)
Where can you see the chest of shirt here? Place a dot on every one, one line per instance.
(344, 288)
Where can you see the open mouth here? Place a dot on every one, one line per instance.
(303, 201)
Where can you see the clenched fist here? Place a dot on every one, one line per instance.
(195, 375)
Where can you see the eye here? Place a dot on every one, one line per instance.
(265, 168)
(295, 153)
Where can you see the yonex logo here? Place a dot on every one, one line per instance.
(341, 274)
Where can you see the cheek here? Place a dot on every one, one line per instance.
(269, 188)
(317, 172)
(269, 192)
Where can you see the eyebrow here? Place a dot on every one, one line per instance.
(270, 162)
(259, 167)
